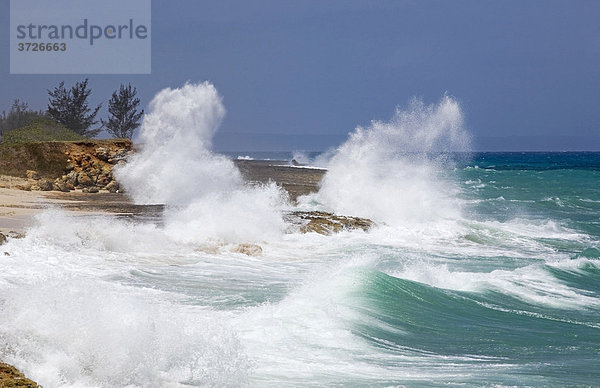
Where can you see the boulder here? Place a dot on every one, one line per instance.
(31, 174)
(61, 186)
(249, 249)
(103, 153)
(326, 223)
(84, 179)
(45, 184)
(76, 159)
(25, 187)
(93, 171)
(72, 178)
(112, 187)
(103, 180)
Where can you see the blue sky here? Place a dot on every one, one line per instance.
(302, 74)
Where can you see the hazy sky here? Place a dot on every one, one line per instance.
(302, 74)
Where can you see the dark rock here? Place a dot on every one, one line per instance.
(103, 153)
(61, 186)
(45, 185)
(72, 178)
(13, 234)
(112, 187)
(326, 223)
(84, 179)
(103, 180)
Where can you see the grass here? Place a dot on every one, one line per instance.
(40, 130)
(44, 145)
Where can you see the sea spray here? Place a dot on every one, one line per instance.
(81, 331)
(478, 300)
(175, 165)
(392, 171)
(204, 192)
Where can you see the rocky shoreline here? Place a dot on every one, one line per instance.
(88, 167)
(12, 377)
(82, 181)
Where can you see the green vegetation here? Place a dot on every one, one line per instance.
(70, 108)
(40, 129)
(124, 117)
(48, 159)
(18, 116)
(69, 116)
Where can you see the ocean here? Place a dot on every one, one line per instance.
(483, 269)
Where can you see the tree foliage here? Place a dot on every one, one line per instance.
(19, 116)
(123, 109)
(70, 108)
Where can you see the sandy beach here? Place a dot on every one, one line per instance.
(17, 207)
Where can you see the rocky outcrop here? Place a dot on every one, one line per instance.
(296, 181)
(88, 167)
(326, 223)
(11, 377)
(248, 249)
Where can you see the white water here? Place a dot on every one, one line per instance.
(204, 191)
(103, 302)
(391, 171)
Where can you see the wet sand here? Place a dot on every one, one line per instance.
(17, 208)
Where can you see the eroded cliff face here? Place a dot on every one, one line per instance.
(90, 166)
(66, 166)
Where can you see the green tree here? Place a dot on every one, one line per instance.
(70, 108)
(19, 116)
(123, 109)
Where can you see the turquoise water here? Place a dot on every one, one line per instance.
(495, 283)
(481, 270)
(540, 213)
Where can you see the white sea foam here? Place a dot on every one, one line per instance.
(204, 191)
(301, 157)
(175, 165)
(532, 284)
(101, 301)
(78, 331)
(391, 171)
